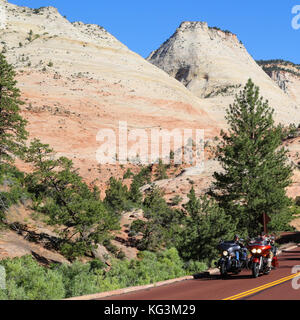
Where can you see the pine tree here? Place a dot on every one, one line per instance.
(140, 179)
(161, 173)
(205, 225)
(256, 170)
(194, 204)
(116, 196)
(68, 202)
(12, 125)
(163, 225)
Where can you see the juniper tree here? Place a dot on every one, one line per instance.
(12, 125)
(256, 170)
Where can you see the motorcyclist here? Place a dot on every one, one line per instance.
(238, 242)
(271, 241)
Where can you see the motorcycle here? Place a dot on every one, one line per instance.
(228, 263)
(260, 250)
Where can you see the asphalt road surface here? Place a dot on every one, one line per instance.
(278, 285)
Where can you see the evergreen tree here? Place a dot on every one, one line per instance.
(135, 195)
(117, 196)
(256, 171)
(163, 225)
(12, 125)
(205, 226)
(194, 204)
(161, 173)
(65, 198)
(142, 178)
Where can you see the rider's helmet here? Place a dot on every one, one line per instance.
(263, 236)
(236, 238)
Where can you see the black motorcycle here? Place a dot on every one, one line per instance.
(228, 263)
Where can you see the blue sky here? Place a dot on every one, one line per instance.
(263, 26)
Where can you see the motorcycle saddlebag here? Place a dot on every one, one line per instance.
(275, 263)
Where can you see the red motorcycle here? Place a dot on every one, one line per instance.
(260, 250)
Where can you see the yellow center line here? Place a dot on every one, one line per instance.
(263, 287)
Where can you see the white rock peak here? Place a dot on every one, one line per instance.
(214, 65)
(3, 16)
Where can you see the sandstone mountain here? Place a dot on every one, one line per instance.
(78, 78)
(214, 65)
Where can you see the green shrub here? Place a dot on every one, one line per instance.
(194, 267)
(151, 268)
(26, 280)
(78, 279)
(14, 179)
(176, 200)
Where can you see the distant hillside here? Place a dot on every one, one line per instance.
(279, 65)
(286, 74)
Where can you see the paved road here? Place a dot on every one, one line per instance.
(275, 286)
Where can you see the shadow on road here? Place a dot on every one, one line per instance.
(291, 252)
(208, 276)
(292, 259)
(289, 237)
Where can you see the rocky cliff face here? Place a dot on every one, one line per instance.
(286, 74)
(214, 65)
(77, 78)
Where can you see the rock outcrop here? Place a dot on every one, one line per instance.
(214, 64)
(286, 74)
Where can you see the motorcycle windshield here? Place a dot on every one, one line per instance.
(229, 246)
(258, 243)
